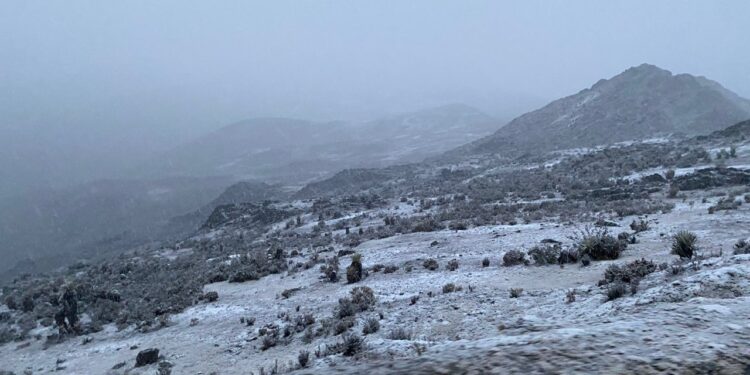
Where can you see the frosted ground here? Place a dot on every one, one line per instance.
(696, 319)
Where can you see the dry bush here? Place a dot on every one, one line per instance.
(616, 290)
(741, 247)
(545, 254)
(514, 257)
(431, 264)
(349, 345)
(452, 265)
(400, 333)
(370, 326)
(599, 244)
(390, 269)
(570, 296)
(449, 288)
(639, 226)
(630, 273)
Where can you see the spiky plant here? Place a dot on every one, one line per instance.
(683, 244)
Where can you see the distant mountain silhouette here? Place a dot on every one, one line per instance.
(280, 150)
(641, 102)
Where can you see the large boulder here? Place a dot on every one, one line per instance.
(147, 357)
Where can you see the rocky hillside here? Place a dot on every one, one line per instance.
(240, 192)
(57, 227)
(629, 259)
(641, 102)
(108, 217)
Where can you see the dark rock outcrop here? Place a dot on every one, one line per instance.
(712, 177)
(147, 357)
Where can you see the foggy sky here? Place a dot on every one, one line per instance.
(93, 85)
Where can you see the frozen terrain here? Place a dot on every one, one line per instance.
(691, 322)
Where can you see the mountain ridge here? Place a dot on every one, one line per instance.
(641, 102)
(285, 150)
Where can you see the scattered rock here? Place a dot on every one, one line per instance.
(118, 366)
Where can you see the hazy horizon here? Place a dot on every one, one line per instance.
(90, 87)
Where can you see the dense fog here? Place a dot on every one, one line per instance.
(90, 89)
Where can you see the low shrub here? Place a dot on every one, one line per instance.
(631, 273)
(27, 303)
(598, 244)
(360, 299)
(449, 288)
(370, 326)
(616, 290)
(452, 265)
(567, 256)
(330, 270)
(268, 342)
(10, 301)
(570, 296)
(459, 225)
(349, 345)
(289, 292)
(639, 226)
(240, 276)
(676, 269)
(726, 204)
(343, 325)
(514, 258)
(400, 334)
(628, 238)
(363, 298)
(545, 254)
(427, 225)
(431, 264)
(345, 308)
(353, 344)
(390, 269)
(301, 322)
(741, 247)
